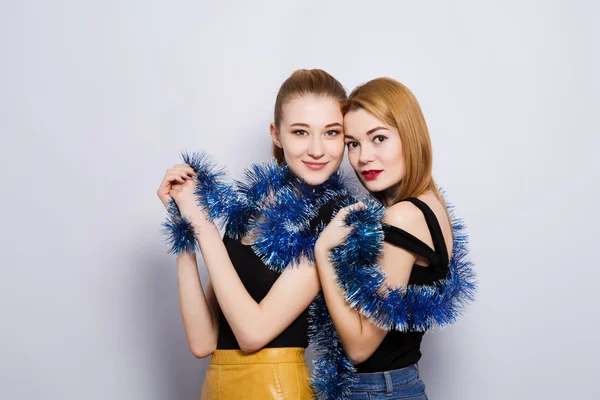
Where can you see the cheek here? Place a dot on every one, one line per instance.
(292, 146)
(353, 158)
(392, 154)
(395, 160)
(336, 147)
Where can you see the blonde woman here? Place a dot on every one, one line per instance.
(251, 319)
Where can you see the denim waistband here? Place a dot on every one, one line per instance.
(386, 380)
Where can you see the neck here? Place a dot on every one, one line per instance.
(389, 194)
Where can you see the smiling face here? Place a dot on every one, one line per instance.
(311, 136)
(374, 151)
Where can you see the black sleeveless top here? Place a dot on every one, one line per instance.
(258, 279)
(401, 349)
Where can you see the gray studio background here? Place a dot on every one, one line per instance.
(98, 98)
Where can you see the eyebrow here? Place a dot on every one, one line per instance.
(377, 128)
(308, 126)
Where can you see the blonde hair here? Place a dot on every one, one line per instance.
(393, 103)
(301, 82)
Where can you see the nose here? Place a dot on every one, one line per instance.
(366, 154)
(316, 148)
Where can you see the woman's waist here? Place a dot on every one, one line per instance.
(276, 355)
(381, 380)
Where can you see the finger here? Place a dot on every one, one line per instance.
(175, 178)
(179, 171)
(184, 167)
(359, 205)
(341, 214)
(186, 173)
(179, 176)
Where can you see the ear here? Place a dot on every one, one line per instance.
(275, 135)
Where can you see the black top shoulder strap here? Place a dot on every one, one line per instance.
(439, 244)
(399, 237)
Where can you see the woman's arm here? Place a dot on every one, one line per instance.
(253, 324)
(360, 338)
(256, 324)
(199, 310)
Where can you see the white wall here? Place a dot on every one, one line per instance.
(98, 98)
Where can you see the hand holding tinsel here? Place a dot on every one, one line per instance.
(338, 228)
(210, 193)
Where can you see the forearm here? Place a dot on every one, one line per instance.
(243, 313)
(199, 321)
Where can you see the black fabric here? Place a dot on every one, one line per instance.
(258, 280)
(401, 349)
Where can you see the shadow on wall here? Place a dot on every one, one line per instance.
(178, 374)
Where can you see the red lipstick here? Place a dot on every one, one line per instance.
(371, 173)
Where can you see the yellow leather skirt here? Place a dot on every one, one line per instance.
(277, 373)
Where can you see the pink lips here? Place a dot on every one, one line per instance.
(371, 174)
(314, 166)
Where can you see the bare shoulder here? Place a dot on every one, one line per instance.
(404, 215)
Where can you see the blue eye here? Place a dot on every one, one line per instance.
(379, 139)
(331, 133)
(301, 132)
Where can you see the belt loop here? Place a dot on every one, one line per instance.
(389, 388)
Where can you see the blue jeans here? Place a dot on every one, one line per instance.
(390, 385)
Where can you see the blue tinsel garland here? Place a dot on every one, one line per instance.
(179, 231)
(283, 235)
(271, 202)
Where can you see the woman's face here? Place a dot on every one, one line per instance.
(311, 136)
(374, 151)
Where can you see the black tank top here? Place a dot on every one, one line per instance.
(401, 349)
(258, 279)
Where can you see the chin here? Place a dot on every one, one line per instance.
(314, 178)
(374, 186)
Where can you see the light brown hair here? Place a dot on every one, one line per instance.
(393, 103)
(301, 82)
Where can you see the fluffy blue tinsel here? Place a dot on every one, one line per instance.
(282, 234)
(270, 201)
(412, 308)
(213, 195)
(262, 181)
(179, 232)
(333, 373)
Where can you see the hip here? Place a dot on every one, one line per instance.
(272, 373)
(403, 383)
